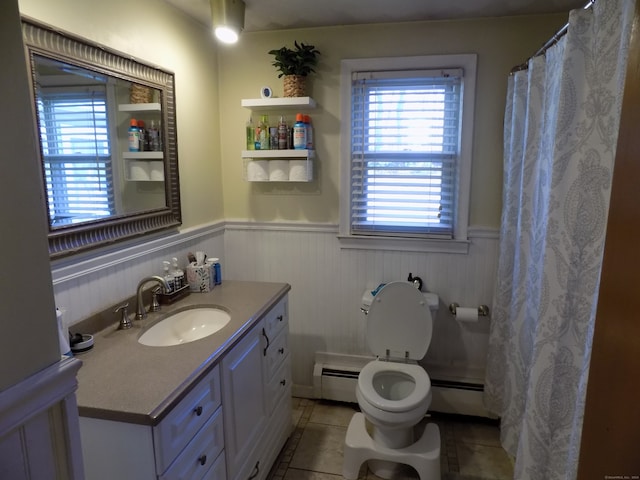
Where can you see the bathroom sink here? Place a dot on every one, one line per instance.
(185, 326)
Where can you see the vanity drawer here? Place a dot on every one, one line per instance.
(277, 319)
(181, 424)
(279, 385)
(276, 353)
(218, 470)
(203, 451)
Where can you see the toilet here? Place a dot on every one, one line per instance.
(394, 391)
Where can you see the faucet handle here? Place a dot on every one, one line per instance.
(155, 304)
(125, 322)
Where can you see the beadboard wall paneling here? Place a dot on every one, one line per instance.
(84, 288)
(328, 282)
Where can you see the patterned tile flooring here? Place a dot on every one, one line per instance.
(470, 446)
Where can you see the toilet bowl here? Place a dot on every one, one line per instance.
(394, 391)
(393, 395)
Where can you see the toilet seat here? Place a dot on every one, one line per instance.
(399, 323)
(417, 397)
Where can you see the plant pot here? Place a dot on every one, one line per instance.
(295, 86)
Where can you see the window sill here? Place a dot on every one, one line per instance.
(403, 244)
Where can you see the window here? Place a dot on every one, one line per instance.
(77, 154)
(406, 165)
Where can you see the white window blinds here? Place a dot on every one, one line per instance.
(405, 143)
(76, 153)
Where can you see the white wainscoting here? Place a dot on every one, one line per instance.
(327, 284)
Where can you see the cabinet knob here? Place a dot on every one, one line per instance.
(198, 410)
(202, 459)
(281, 350)
(283, 382)
(280, 318)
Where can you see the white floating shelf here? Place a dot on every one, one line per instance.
(139, 107)
(285, 103)
(142, 155)
(284, 154)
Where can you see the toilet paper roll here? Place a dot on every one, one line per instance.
(278, 170)
(258, 170)
(298, 171)
(464, 314)
(156, 171)
(139, 171)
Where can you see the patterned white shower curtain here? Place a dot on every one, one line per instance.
(561, 128)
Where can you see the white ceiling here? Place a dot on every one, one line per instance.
(284, 14)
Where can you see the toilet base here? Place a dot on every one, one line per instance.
(423, 455)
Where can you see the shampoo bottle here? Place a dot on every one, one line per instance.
(178, 274)
(168, 277)
(307, 122)
(134, 136)
(299, 133)
(251, 135)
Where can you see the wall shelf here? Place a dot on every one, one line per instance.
(282, 154)
(142, 155)
(286, 103)
(139, 107)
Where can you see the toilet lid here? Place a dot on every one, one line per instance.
(399, 320)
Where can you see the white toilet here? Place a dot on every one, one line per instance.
(393, 391)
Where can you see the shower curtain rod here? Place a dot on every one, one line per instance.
(548, 44)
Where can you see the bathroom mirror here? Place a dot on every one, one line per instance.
(107, 135)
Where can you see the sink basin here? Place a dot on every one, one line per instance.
(185, 326)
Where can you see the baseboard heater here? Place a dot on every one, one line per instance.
(338, 382)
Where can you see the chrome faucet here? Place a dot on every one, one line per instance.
(140, 310)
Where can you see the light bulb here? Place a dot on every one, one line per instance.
(226, 34)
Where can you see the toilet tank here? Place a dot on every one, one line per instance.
(367, 298)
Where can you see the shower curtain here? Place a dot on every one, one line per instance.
(561, 125)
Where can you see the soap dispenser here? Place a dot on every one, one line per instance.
(168, 277)
(178, 274)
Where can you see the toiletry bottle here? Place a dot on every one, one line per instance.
(282, 134)
(134, 136)
(307, 122)
(178, 274)
(168, 277)
(142, 133)
(217, 269)
(251, 135)
(210, 263)
(264, 132)
(299, 133)
(63, 336)
(153, 134)
(273, 138)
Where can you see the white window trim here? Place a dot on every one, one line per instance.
(460, 243)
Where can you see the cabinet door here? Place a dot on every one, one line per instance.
(243, 399)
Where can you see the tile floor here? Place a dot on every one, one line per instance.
(470, 446)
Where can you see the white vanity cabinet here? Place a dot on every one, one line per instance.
(186, 445)
(231, 425)
(256, 384)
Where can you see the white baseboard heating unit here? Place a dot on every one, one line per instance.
(335, 377)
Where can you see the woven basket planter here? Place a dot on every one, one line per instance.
(140, 94)
(295, 86)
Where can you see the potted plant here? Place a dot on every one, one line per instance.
(294, 64)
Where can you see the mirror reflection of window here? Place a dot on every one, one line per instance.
(77, 154)
(76, 146)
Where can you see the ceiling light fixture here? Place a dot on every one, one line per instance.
(228, 19)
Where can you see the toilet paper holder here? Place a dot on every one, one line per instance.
(483, 310)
